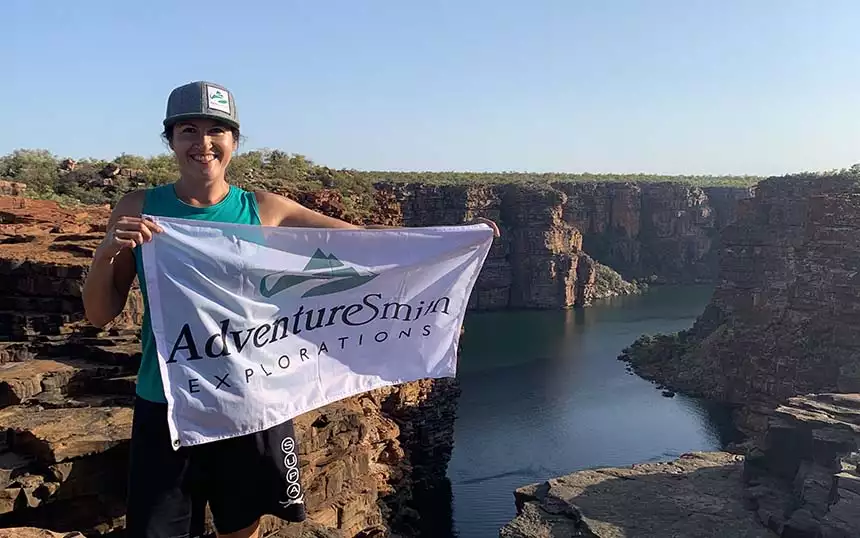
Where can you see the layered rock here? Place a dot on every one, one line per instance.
(801, 482)
(66, 391)
(554, 235)
(12, 188)
(538, 262)
(663, 232)
(699, 495)
(33, 532)
(783, 319)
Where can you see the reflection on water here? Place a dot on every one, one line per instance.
(544, 395)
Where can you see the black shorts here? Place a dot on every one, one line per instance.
(242, 479)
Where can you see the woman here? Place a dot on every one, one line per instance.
(239, 477)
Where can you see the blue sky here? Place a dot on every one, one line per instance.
(655, 86)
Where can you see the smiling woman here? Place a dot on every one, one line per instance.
(201, 127)
(206, 161)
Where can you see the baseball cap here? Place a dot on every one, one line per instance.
(201, 99)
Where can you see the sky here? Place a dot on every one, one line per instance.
(759, 87)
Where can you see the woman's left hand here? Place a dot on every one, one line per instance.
(488, 222)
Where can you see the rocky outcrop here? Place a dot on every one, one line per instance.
(66, 391)
(802, 481)
(699, 495)
(33, 532)
(304, 530)
(783, 319)
(661, 232)
(555, 236)
(12, 188)
(538, 262)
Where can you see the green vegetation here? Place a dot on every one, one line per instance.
(99, 181)
(608, 283)
(47, 177)
(96, 181)
(484, 178)
(656, 357)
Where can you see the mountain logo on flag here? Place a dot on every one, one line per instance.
(336, 277)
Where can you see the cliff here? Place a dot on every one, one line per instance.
(538, 260)
(700, 496)
(646, 227)
(802, 482)
(564, 244)
(664, 232)
(66, 391)
(567, 236)
(783, 319)
(782, 324)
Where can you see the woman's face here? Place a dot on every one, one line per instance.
(203, 148)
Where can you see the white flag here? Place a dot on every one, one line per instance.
(255, 325)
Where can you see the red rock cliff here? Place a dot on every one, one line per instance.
(642, 230)
(783, 319)
(66, 390)
(533, 264)
(552, 235)
(801, 482)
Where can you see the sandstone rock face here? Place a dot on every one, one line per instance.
(783, 319)
(32, 532)
(538, 262)
(699, 495)
(305, 530)
(802, 481)
(665, 230)
(66, 391)
(12, 188)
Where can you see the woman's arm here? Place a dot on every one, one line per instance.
(112, 270)
(277, 210)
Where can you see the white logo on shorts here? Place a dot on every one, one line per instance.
(291, 462)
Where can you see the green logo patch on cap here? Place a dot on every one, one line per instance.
(218, 99)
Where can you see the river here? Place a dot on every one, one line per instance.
(543, 395)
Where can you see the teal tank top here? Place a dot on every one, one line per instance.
(238, 207)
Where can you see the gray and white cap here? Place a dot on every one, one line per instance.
(201, 99)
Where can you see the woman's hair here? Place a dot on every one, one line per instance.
(167, 134)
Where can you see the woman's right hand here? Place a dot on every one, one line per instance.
(127, 232)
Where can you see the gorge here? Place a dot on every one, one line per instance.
(562, 241)
(65, 388)
(783, 316)
(779, 341)
(66, 391)
(365, 458)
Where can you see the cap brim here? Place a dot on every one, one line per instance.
(200, 115)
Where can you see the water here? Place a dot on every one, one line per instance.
(544, 395)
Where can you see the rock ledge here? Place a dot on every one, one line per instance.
(699, 495)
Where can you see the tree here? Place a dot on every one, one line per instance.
(38, 168)
(161, 169)
(135, 162)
